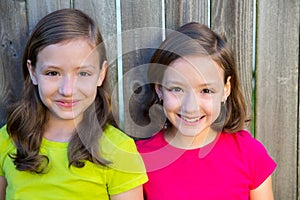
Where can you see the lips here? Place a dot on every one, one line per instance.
(190, 119)
(66, 103)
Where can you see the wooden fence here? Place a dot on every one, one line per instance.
(263, 33)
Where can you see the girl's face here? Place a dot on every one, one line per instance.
(192, 91)
(67, 75)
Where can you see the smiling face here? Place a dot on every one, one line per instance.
(67, 75)
(192, 91)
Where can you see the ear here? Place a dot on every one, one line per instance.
(227, 88)
(158, 90)
(102, 75)
(31, 73)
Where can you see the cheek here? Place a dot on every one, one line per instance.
(88, 91)
(212, 105)
(87, 87)
(171, 102)
(46, 94)
(216, 109)
(88, 84)
(46, 89)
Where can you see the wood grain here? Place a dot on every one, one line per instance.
(13, 35)
(4, 91)
(37, 9)
(141, 26)
(183, 11)
(276, 52)
(277, 89)
(235, 19)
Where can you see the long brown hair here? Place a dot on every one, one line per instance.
(27, 117)
(197, 39)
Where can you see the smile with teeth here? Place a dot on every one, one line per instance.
(190, 120)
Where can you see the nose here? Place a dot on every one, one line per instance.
(190, 104)
(66, 87)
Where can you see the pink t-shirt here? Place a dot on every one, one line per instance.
(227, 169)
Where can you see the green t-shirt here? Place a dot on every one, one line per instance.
(61, 182)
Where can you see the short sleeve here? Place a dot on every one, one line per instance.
(127, 169)
(262, 165)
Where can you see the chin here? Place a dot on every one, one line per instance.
(68, 117)
(192, 131)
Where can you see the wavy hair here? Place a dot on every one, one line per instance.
(27, 117)
(197, 39)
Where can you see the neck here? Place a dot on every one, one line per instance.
(182, 141)
(59, 130)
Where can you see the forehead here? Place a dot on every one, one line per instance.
(195, 69)
(69, 52)
(78, 44)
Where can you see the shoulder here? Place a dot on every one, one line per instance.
(120, 149)
(241, 135)
(113, 139)
(244, 140)
(5, 140)
(3, 133)
(115, 135)
(6, 145)
(246, 148)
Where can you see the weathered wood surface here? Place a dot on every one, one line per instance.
(274, 50)
(277, 74)
(235, 20)
(141, 27)
(183, 11)
(37, 9)
(13, 34)
(4, 91)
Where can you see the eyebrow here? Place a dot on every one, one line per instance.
(175, 82)
(86, 66)
(46, 67)
(57, 67)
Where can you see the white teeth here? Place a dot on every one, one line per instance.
(190, 119)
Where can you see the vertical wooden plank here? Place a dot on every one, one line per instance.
(4, 89)
(180, 12)
(104, 13)
(139, 39)
(235, 18)
(277, 89)
(298, 145)
(37, 9)
(13, 34)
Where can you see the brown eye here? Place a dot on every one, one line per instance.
(207, 91)
(177, 89)
(52, 73)
(84, 74)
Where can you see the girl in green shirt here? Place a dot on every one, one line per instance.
(59, 142)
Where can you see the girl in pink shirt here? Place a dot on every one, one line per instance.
(202, 152)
